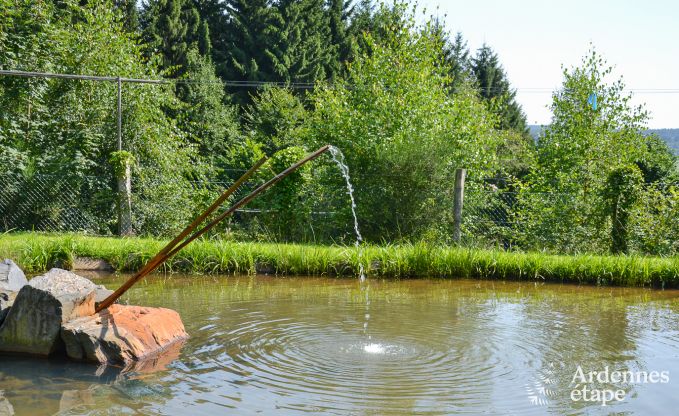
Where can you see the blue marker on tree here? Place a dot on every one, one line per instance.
(591, 100)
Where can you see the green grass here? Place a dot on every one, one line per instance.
(38, 252)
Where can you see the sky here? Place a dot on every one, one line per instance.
(534, 38)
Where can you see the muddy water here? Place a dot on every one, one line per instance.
(298, 345)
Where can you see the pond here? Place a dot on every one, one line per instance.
(296, 345)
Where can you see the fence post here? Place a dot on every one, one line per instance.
(458, 199)
(125, 201)
(122, 167)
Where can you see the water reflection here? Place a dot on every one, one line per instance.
(434, 347)
(38, 386)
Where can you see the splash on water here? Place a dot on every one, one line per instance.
(338, 157)
(374, 348)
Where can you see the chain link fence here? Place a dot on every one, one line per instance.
(492, 216)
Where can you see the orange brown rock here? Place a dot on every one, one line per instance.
(122, 334)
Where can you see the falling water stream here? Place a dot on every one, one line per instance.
(338, 157)
(370, 347)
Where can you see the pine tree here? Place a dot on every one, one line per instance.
(303, 51)
(248, 34)
(214, 14)
(456, 55)
(495, 89)
(173, 28)
(340, 14)
(130, 14)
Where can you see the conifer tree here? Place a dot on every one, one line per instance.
(172, 29)
(456, 55)
(214, 14)
(247, 36)
(495, 89)
(340, 13)
(303, 51)
(130, 14)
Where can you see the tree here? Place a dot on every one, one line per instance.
(61, 132)
(302, 51)
(214, 14)
(621, 193)
(402, 136)
(130, 13)
(182, 36)
(658, 163)
(378, 21)
(576, 154)
(289, 41)
(495, 90)
(456, 56)
(209, 123)
(172, 29)
(275, 119)
(340, 15)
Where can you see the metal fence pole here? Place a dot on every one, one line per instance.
(458, 199)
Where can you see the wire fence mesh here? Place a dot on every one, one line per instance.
(492, 216)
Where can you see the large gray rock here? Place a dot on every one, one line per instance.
(6, 300)
(11, 276)
(34, 322)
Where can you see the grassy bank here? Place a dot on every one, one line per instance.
(38, 252)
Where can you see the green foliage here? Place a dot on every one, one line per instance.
(173, 28)
(62, 132)
(402, 134)
(658, 163)
(563, 204)
(340, 16)
(284, 205)
(654, 222)
(303, 51)
(620, 194)
(303, 41)
(494, 88)
(210, 124)
(407, 105)
(130, 13)
(120, 160)
(276, 117)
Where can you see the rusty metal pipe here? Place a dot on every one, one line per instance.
(248, 198)
(161, 256)
(164, 255)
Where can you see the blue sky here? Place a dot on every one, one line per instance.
(534, 38)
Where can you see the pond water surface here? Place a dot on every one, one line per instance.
(298, 345)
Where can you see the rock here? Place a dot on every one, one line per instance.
(101, 293)
(90, 264)
(33, 324)
(11, 276)
(122, 334)
(74, 399)
(6, 300)
(6, 408)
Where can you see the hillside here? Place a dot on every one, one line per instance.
(671, 136)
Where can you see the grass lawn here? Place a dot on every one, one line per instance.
(36, 252)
